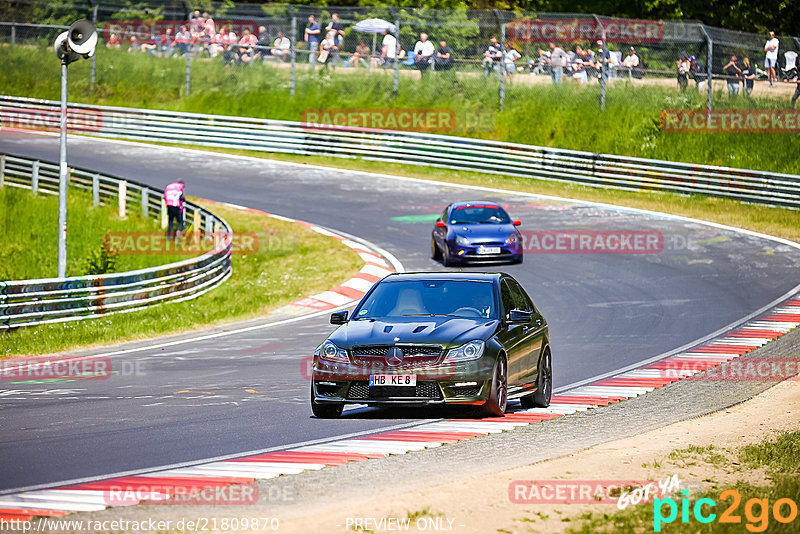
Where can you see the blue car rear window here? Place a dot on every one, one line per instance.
(430, 298)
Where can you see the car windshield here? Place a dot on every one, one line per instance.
(430, 298)
(479, 214)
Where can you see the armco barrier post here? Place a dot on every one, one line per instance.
(145, 200)
(123, 193)
(95, 190)
(2, 170)
(163, 215)
(209, 224)
(35, 177)
(196, 224)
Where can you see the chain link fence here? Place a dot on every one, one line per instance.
(475, 61)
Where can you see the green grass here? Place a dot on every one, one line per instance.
(277, 275)
(781, 458)
(566, 117)
(29, 233)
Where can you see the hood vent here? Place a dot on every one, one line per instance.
(387, 329)
(419, 329)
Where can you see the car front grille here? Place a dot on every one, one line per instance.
(466, 391)
(414, 356)
(360, 390)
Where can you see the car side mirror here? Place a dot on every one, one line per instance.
(517, 223)
(519, 317)
(339, 317)
(440, 224)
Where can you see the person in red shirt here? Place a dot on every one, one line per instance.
(246, 46)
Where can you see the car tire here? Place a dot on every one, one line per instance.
(498, 398)
(544, 382)
(436, 253)
(327, 410)
(446, 259)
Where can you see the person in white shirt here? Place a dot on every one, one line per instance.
(281, 46)
(388, 50)
(631, 61)
(424, 50)
(771, 61)
(511, 55)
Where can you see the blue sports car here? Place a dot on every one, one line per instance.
(474, 232)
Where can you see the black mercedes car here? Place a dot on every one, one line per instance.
(436, 338)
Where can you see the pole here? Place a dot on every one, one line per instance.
(502, 95)
(602, 64)
(710, 59)
(188, 72)
(62, 181)
(294, 55)
(94, 21)
(396, 58)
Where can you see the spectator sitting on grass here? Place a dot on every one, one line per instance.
(492, 57)
(281, 47)
(229, 41)
(113, 41)
(167, 41)
(424, 52)
(262, 44)
(182, 40)
(327, 49)
(217, 46)
(796, 91)
(748, 75)
(246, 47)
(209, 28)
(151, 46)
(136, 46)
(444, 57)
(509, 58)
(732, 73)
(362, 51)
(698, 72)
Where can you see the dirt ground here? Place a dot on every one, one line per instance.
(483, 504)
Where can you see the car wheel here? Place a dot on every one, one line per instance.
(498, 398)
(544, 382)
(446, 259)
(436, 254)
(325, 410)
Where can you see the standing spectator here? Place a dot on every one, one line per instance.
(492, 57)
(182, 40)
(209, 28)
(336, 26)
(748, 75)
(510, 57)
(558, 60)
(682, 66)
(697, 72)
(362, 51)
(389, 47)
(603, 60)
(311, 37)
(247, 46)
(424, 53)
(281, 47)
(732, 73)
(631, 61)
(174, 199)
(580, 65)
(771, 59)
(444, 57)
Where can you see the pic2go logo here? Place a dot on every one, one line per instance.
(756, 511)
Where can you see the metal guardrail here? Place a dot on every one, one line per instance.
(34, 302)
(597, 170)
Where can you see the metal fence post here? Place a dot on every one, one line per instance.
(209, 223)
(94, 56)
(13, 34)
(95, 190)
(35, 177)
(294, 54)
(188, 73)
(396, 85)
(709, 68)
(145, 200)
(502, 95)
(603, 65)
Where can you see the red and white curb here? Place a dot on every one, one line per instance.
(94, 496)
(375, 268)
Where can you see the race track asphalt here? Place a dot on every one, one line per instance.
(247, 392)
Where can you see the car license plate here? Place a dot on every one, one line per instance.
(488, 250)
(392, 380)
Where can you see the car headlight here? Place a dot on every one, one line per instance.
(329, 351)
(466, 352)
(462, 241)
(510, 240)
